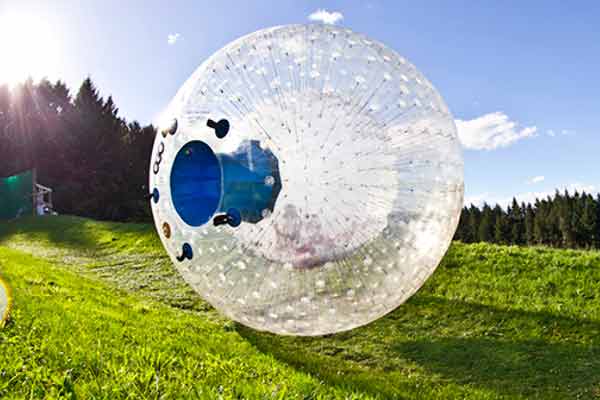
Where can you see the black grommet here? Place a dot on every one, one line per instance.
(233, 218)
(186, 252)
(221, 219)
(171, 130)
(221, 128)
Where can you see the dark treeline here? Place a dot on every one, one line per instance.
(565, 220)
(96, 162)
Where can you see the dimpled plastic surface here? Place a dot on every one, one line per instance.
(371, 173)
(4, 302)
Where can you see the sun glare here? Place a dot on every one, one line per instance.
(29, 47)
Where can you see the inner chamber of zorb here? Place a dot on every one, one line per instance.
(310, 182)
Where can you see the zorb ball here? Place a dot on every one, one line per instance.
(306, 180)
(5, 302)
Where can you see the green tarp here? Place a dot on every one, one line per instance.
(16, 195)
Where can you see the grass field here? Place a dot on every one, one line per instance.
(100, 313)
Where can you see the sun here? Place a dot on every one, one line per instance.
(29, 47)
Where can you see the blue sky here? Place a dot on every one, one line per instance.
(521, 77)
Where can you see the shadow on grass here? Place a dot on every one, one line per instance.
(76, 233)
(525, 368)
(432, 345)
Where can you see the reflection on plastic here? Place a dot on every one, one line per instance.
(330, 196)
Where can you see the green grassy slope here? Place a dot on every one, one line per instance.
(100, 313)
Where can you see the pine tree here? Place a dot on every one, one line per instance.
(486, 225)
(5, 140)
(562, 220)
(501, 227)
(516, 218)
(539, 224)
(529, 225)
(474, 220)
(588, 222)
(567, 232)
(80, 146)
(596, 242)
(138, 146)
(461, 233)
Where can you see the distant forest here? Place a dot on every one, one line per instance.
(564, 220)
(96, 162)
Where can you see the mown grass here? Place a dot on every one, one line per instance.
(100, 313)
(80, 337)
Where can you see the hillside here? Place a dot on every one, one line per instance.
(100, 313)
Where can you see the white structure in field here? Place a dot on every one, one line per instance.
(367, 167)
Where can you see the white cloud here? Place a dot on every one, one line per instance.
(491, 131)
(536, 179)
(477, 200)
(172, 38)
(326, 17)
(529, 197)
(564, 132)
